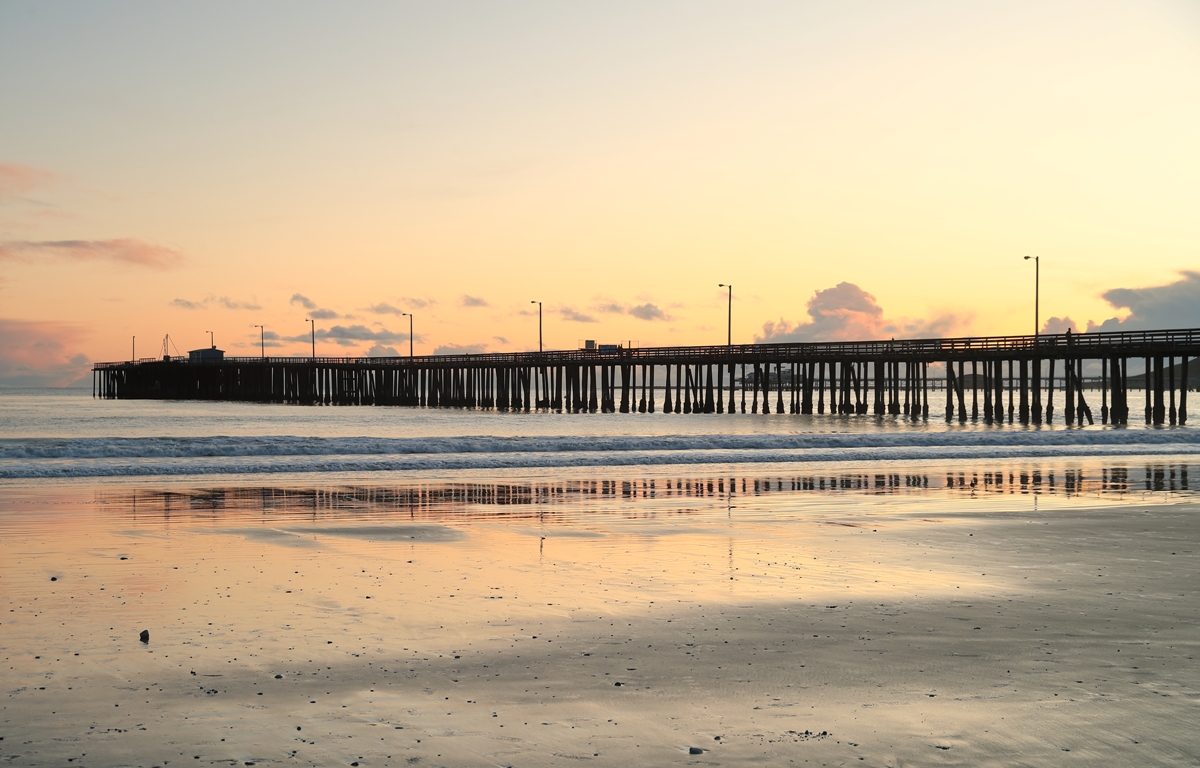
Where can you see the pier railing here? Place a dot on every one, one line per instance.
(1086, 345)
(976, 373)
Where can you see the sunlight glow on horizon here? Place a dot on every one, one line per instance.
(175, 168)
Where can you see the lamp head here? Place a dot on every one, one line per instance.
(1027, 258)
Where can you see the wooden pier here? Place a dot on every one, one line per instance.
(994, 379)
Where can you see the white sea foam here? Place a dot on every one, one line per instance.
(153, 456)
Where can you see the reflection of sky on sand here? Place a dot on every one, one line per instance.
(735, 605)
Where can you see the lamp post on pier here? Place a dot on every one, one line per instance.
(1037, 279)
(313, 324)
(539, 323)
(729, 321)
(262, 340)
(212, 340)
(410, 331)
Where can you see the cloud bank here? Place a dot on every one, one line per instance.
(224, 301)
(1060, 325)
(567, 313)
(352, 336)
(846, 312)
(315, 312)
(125, 250)
(1174, 305)
(41, 354)
(383, 308)
(648, 312)
(645, 311)
(18, 180)
(460, 349)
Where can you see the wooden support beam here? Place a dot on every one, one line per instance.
(1024, 405)
(1147, 387)
(949, 390)
(1183, 390)
(765, 372)
(1104, 391)
(1171, 388)
(974, 391)
(650, 405)
(962, 403)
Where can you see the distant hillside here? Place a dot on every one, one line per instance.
(1136, 381)
(1139, 381)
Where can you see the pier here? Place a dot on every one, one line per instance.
(994, 379)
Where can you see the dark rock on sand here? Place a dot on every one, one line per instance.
(144, 636)
(695, 751)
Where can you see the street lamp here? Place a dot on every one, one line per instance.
(313, 323)
(729, 327)
(133, 350)
(262, 340)
(539, 323)
(410, 331)
(212, 339)
(1037, 278)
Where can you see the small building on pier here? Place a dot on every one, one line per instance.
(206, 355)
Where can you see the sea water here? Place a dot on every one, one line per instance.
(69, 434)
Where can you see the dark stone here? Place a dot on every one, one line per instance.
(695, 751)
(278, 677)
(145, 636)
(53, 578)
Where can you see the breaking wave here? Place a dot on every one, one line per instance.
(158, 456)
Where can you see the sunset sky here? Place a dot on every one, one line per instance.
(855, 169)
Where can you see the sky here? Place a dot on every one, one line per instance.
(854, 169)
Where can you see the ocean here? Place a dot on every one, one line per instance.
(68, 434)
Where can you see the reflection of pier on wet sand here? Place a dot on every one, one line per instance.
(540, 499)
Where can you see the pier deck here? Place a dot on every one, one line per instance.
(976, 375)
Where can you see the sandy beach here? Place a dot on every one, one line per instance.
(919, 628)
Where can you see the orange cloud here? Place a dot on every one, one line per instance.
(846, 312)
(128, 249)
(17, 180)
(41, 354)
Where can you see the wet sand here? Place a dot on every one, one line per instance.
(782, 628)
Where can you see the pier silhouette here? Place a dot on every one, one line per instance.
(995, 379)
